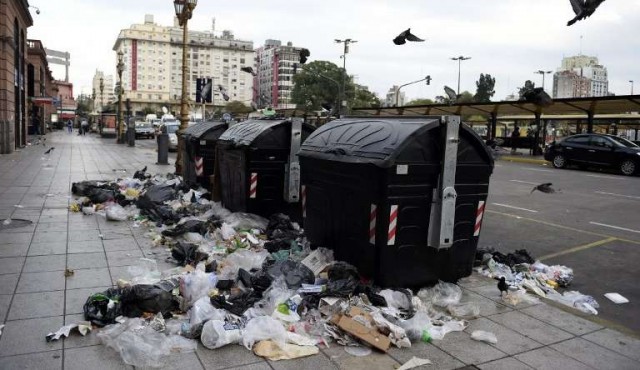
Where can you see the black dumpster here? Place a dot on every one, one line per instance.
(257, 166)
(200, 150)
(379, 193)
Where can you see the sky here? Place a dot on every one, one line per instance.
(508, 39)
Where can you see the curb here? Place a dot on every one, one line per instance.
(522, 160)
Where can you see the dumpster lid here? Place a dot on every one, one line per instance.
(246, 132)
(200, 129)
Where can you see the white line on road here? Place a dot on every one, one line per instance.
(618, 195)
(615, 227)
(536, 169)
(525, 182)
(513, 207)
(606, 177)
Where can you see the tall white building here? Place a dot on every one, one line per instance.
(390, 98)
(107, 96)
(153, 65)
(569, 80)
(275, 74)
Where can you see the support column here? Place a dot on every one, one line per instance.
(493, 125)
(590, 122)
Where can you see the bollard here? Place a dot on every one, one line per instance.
(163, 148)
(131, 136)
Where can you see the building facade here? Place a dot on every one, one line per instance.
(67, 104)
(14, 21)
(107, 96)
(40, 87)
(580, 76)
(274, 80)
(392, 95)
(152, 75)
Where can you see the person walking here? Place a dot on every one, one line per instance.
(515, 136)
(36, 124)
(70, 126)
(85, 127)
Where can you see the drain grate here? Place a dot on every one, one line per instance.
(13, 223)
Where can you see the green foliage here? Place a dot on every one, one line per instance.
(465, 97)
(319, 82)
(484, 88)
(422, 101)
(237, 107)
(364, 98)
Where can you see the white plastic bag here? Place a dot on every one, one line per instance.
(396, 299)
(227, 231)
(442, 294)
(203, 310)
(263, 328)
(145, 272)
(217, 333)
(197, 284)
(484, 336)
(438, 332)
(115, 212)
(241, 259)
(467, 310)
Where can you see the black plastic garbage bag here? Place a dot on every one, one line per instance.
(157, 212)
(274, 246)
(187, 254)
(160, 193)
(103, 308)
(342, 270)
(515, 258)
(237, 304)
(295, 273)
(281, 227)
(82, 188)
(98, 195)
(141, 298)
(190, 226)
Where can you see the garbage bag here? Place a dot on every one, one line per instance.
(202, 310)
(157, 212)
(443, 294)
(116, 212)
(484, 336)
(138, 299)
(217, 333)
(241, 220)
(97, 195)
(160, 193)
(342, 270)
(187, 254)
(103, 308)
(263, 328)
(237, 303)
(196, 285)
(467, 310)
(277, 245)
(416, 326)
(243, 258)
(515, 258)
(397, 299)
(295, 273)
(280, 227)
(145, 272)
(190, 226)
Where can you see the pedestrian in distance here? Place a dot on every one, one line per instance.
(85, 127)
(36, 124)
(70, 126)
(515, 136)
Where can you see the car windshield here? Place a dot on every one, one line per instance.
(623, 142)
(172, 129)
(143, 125)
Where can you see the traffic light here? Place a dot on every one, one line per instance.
(127, 104)
(428, 80)
(304, 54)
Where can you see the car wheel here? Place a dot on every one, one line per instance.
(628, 167)
(559, 161)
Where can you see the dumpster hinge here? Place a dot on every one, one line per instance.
(292, 168)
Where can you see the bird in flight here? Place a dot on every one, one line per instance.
(402, 38)
(49, 150)
(544, 188)
(583, 9)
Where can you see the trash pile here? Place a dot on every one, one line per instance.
(522, 273)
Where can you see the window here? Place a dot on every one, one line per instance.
(579, 140)
(601, 142)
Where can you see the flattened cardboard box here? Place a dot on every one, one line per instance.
(370, 335)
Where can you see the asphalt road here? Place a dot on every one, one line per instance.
(591, 224)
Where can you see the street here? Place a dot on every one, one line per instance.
(590, 224)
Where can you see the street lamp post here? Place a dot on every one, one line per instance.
(343, 94)
(427, 78)
(543, 73)
(460, 59)
(120, 69)
(631, 82)
(101, 105)
(184, 11)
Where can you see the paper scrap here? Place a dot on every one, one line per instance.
(414, 362)
(616, 298)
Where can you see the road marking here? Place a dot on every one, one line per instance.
(513, 207)
(615, 227)
(536, 169)
(525, 182)
(606, 177)
(579, 248)
(618, 195)
(551, 224)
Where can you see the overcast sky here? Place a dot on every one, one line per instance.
(509, 39)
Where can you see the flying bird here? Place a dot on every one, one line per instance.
(451, 94)
(402, 38)
(583, 9)
(49, 150)
(223, 91)
(544, 188)
(502, 286)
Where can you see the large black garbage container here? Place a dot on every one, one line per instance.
(380, 194)
(258, 168)
(200, 150)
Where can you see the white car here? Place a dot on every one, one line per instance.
(171, 128)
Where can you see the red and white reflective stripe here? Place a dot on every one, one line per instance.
(479, 214)
(199, 166)
(303, 200)
(393, 223)
(253, 189)
(372, 223)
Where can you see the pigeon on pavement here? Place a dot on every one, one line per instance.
(544, 188)
(49, 150)
(502, 286)
(405, 36)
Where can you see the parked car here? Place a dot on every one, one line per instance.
(171, 128)
(145, 129)
(595, 150)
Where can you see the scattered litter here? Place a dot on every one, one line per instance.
(68, 272)
(82, 327)
(18, 205)
(484, 336)
(358, 351)
(616, 298)
(414, 362)
(275, 352)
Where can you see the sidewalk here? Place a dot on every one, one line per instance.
(36, 298)
(521, 156)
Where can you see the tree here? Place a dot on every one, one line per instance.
(484, 88)
(364, 98)
(318, 83)
(422, 101)
(465, 97)
(237, 107)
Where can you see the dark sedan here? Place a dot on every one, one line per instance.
(595, 150)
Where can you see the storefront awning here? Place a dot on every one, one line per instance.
(42, 100)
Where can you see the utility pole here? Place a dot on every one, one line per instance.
(543, 73)
(346, 43)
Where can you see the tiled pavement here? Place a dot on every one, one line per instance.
(36, 298)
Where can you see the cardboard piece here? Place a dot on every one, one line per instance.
(359, 324)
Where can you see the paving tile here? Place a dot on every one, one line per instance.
(440, 359)
(256, 366)
(13, 250)
(562, 319)
(5, 301)
(487, 306)
(227, 357)
(615, 341)
(75, 339)
(11, 265)
(27, 336)
(54, 262)
(112, 245)
(123, 258)
(83, 235)
(48, 219)
(316, 362)
(35, 305)
(111, 233)
(94, 357)
(51, 360)
(17, 238)
(462, 347)
(121, 272)
(45, 249)
(75, 298)
(52, 226)
(31, 282)
(531, 328)
(86, 260)
(24, 229)
(179, 361)
(89, 278)
(509, 341)
(492, 292)
(85, 246)
(8, 283)
(549, 359)
(508, 363)
(49, 236)
(595, 355)
(344, 360)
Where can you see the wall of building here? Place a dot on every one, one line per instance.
(275, 74)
